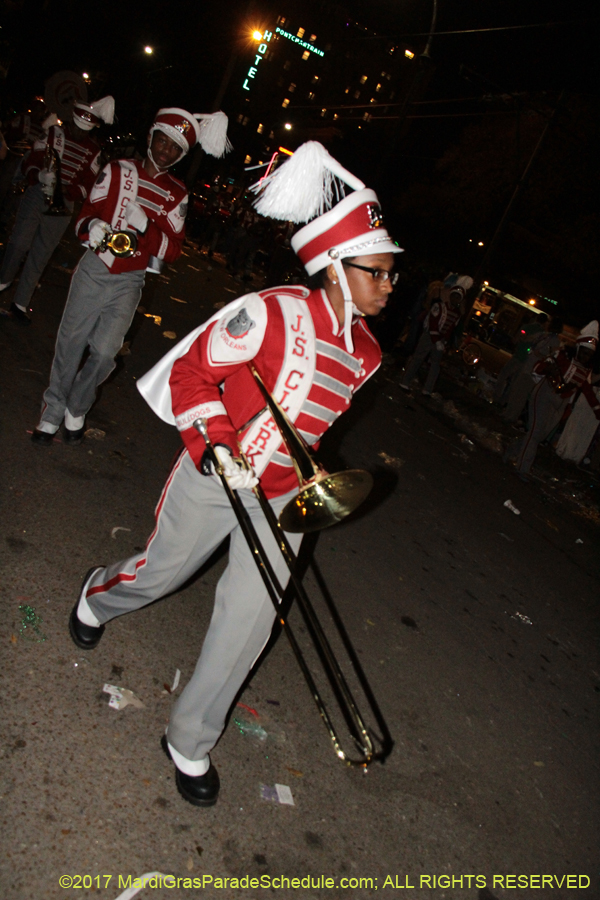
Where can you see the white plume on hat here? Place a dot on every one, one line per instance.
(303, 187)
(85, 113)
(213, 133)
(453, 280)
(589, 334)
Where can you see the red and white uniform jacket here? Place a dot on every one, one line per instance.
(79, 162)
(163, 198)
(576, 376)
(294, 340)
(441, 321)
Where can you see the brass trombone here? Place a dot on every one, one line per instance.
(323, 500)
(120, 243)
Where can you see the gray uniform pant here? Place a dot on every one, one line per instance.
(545, 412)
(507, 373)
(425, 348)
(518, 395)
(193, 516)
(34, 232)
(98, 312)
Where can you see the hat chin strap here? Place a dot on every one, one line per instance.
(350, 309)
(151, 158)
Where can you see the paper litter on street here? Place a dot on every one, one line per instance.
(121, 697)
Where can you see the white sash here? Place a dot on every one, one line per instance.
(128, 188)
(295, 378)
(59, 141)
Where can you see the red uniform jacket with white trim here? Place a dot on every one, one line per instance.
(79, 162)
(163, 198)
(576, 376)
(441, 321)
(294, 339)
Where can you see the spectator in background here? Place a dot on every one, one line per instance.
(542, 345)
(535, 325)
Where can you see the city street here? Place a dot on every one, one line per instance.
(475, 626)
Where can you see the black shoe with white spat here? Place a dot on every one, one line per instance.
(85, 636)
(199, 790)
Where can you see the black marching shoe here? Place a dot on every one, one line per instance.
(85, 636)
(73, 438)
(18, 315)
(199, 790)
(42, 438)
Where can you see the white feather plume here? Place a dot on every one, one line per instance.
(213, 133)
(303, 186)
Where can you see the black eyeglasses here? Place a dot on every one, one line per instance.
(378, 275)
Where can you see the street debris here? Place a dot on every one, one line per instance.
(249, 709)
(393, 461)
(295, 772)
(121, 697)
(30, 624)
(465, 440)
(408, 621)
(157, 319)
(525, 619)
(579, 541)
(506, 537)
(177, 300)
(274, 702)
(175, 685)
(170, 335)
(219, 304)
(114, 530)
(252, 729)
(279, 793)
(510, 505)
(247, 724)
(96, 434)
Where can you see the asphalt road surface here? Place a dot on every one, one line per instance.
(475, 627)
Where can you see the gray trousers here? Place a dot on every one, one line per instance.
(507, 373)
(545, 412)
(34, 232)
(518, 395)
(98, 312)
(193, 516)
(425, 348)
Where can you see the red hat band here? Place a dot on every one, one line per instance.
(178, 125)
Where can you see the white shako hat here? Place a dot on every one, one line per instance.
(457, 282)
(588, 336)
(87, 115)
(188, 129)
(303, 188)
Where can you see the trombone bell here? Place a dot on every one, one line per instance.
(120, 243)
(325, 500)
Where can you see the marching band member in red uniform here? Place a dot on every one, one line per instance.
(78, 157)
(437, 331)
(313, 351)
(148, 203)
(560, 379)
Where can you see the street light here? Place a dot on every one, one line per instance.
(257, 35)
(287, 126)
(148, 50)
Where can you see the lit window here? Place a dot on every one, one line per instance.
(300, 33)
(363, 78)
(240, 118)
(306, 54)
(245, 120)
(367, 117)
(392, 94)
(409, 54)
(392, 50)
(287, 64)
(247, 160)
(372, 100)
(378, 88)
(356, 95)
(260, 129)
(335, 116)
(292, 88)
(313, 38)
(271, 135)
(323, 111)
(311, 95)
(315, 78)
(281, 20)
(383, 75)
(286, 102)
(347, 91)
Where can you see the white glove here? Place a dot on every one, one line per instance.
(237, 475)
(136, 217)
(440, 345)
(97, 231)
(46, 178)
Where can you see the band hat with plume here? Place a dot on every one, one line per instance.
(87, 115)
(588, 335)
(304, 188)
(458, 282)
(188, 129)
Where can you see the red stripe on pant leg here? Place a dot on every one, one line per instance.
(125, 576)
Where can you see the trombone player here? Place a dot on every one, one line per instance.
(313, 350)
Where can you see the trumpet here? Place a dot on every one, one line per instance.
(323, 499)
(120, 243)
(53, 193)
